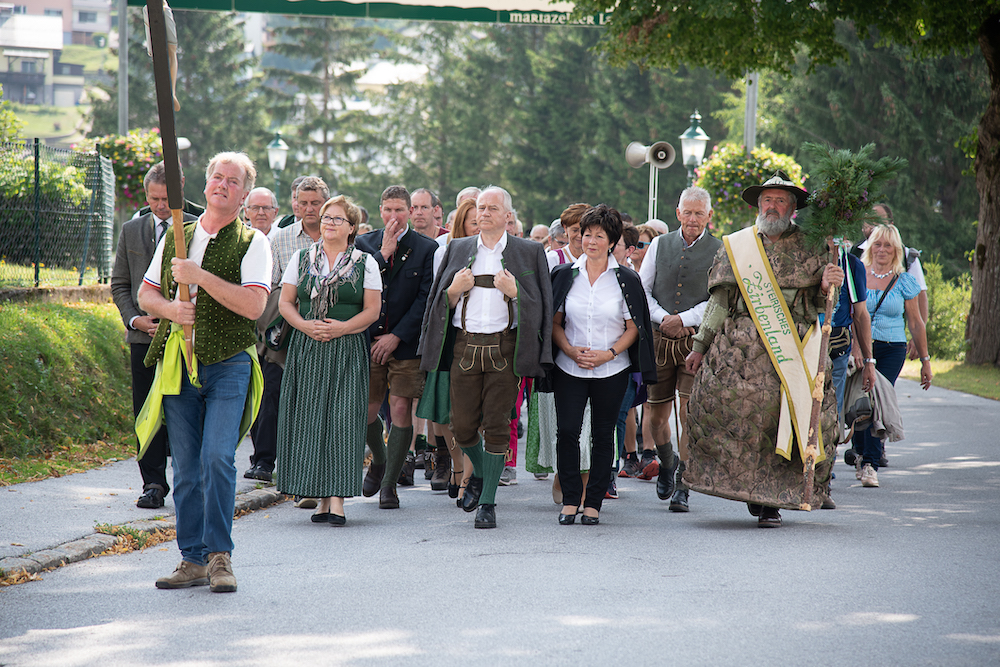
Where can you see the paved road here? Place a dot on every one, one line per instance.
(901, 575)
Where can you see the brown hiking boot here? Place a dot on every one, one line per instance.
(442, 471)
(220, 573)
(186, 575)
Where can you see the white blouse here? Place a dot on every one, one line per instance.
(595, 317)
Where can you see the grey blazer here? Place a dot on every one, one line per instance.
(524, 259)
(136, 245)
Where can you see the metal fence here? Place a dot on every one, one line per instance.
(56, 216)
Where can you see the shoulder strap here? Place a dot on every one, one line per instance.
(887, 289)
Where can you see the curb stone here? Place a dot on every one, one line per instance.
(91, 545)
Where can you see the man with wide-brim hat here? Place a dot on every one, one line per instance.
(754, 361)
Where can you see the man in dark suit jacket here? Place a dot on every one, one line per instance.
(407, 262)
(136, 244)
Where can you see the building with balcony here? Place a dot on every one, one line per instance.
(30, 71)
(81, 19)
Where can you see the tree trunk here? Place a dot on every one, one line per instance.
(983, 327)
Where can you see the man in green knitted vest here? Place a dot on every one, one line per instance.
(674, 275)
(228, 272)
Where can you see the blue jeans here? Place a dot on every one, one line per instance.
(889, 358)
(204, 426)
(839, 377)
(630, 392)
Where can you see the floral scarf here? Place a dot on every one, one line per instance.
(324, 285)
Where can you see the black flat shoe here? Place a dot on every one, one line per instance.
(566, 519)
(589, 520)
(320, 517)
(337, 519)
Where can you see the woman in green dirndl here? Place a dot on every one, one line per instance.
(330, 294)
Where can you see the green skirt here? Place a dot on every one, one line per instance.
(435, 402)
(322, 416)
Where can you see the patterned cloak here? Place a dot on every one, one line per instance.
(734, 406)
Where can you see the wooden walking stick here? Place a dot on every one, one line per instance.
(168, 137)
(849, 185)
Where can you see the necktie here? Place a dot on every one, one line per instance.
(160, 229)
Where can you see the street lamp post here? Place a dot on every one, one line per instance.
(277, 155)
(693, 144)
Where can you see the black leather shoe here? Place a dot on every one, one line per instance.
(486, 517)
(566, 519)
(320, 517)
(755, 509)
(373, 479)
(151, 499)
(406, 474)
(453, 487)
(589, 520)
(679, 501)
(666, 480)
(337, 519)
(770, 517)
(474, 489)
(256, 472)
(387, 498)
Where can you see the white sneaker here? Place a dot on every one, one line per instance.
(869, 477)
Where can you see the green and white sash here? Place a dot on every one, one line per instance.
(794, 360)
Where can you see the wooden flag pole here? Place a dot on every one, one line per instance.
(168, 137)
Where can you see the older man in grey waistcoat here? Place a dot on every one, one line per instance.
(674, 275)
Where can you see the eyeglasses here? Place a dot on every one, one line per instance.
(258, 209)
(641, 244)
(335, 220)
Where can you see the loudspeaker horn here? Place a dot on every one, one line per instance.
(635, 154)
(661, 155)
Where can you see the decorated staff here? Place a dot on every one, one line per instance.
(849, 183)
(163, 73)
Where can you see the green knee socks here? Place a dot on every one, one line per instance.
(475, 454)
(373, 438)
(492, 469)
(396, 449)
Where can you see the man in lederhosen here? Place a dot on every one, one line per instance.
(489, 322)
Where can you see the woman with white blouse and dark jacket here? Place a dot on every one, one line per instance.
(602, 331)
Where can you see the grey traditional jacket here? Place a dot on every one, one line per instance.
(524, 259)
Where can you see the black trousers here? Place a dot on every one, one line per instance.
(571, 394)
(152, 466)
(264, 431)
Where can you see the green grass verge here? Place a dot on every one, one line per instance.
(66, 401)
(978, 380)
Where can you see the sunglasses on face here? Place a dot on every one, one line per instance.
(642, 244)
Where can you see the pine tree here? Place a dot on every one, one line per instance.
(313, 86)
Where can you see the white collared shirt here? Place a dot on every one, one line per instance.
(595, 317)
(255, 266)
(487, 311)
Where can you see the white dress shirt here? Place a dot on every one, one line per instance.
(647, 273)
(487, 311)
(595, 317)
